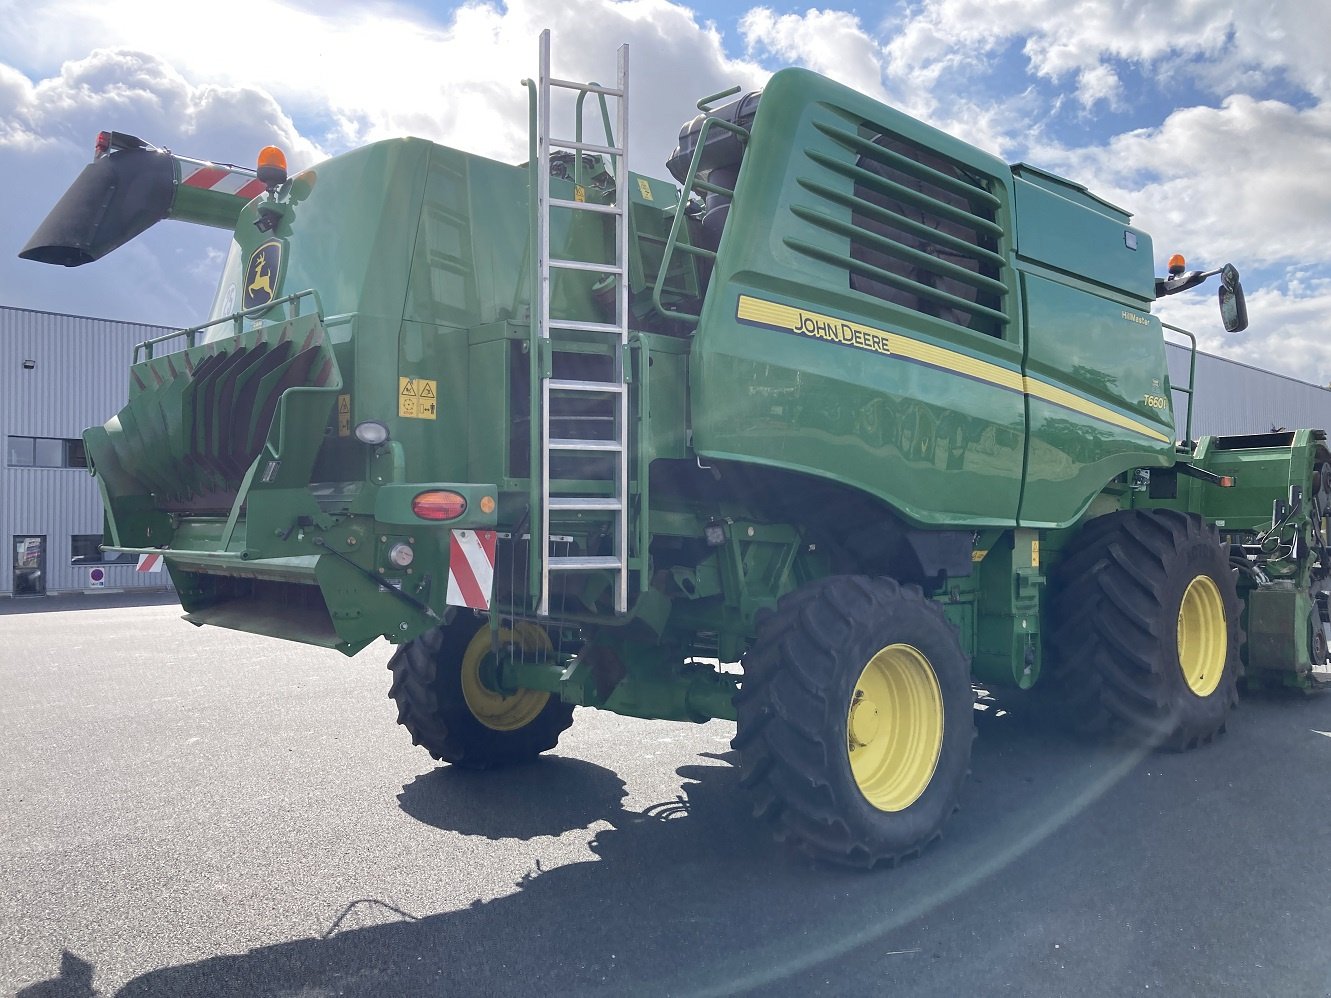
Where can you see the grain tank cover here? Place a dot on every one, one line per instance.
(1062, 225)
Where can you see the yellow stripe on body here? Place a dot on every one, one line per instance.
(1066, 399)
(814, 325)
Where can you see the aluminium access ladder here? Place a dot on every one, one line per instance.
(608, 338)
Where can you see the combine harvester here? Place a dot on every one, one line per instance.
(847, 401)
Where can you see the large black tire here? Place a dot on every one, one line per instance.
(1145, 639)
(447, 711)
(855, 720)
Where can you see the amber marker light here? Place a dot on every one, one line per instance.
(487, 504)
(1177, 265)
(272, 166)
(439, 504)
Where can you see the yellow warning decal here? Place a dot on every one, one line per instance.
(814, 325)
(344, 415)
(645, 189)
(1035, 554)
(417, 398)
(579, 193)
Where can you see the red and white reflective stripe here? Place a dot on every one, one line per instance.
(222, 179)
(471, 568)
(149, 563)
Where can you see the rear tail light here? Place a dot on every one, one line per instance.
(439, 504)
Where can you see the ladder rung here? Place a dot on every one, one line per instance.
(599, 268)
(566, 385)
(585, 327)
(586, 88)
(581, 564)
(605, 209)
(610, 505)
(566, 443)
(586, 147)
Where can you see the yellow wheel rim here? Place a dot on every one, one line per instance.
(495, 710)
(1203, 636)
(894, 728)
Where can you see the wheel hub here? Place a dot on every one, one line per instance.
(864, 719)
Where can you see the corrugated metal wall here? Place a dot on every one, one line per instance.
(1236, 398)
(80, 378)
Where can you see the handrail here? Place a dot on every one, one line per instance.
(609, 134)
(237, 318)
(638, 342)
(534, 352)
(1192, 380)
(690, 181)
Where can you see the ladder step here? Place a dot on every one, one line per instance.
(586, 503)
(598, 268)
(565, 443)
(565, 385)
(581, 564)
(584, 327)
(605, 209)
(585, 146)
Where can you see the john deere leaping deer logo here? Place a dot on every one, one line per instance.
(261, 276)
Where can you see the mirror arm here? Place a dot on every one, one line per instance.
(1173, 285)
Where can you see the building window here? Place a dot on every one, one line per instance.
(20, 452)
(86, 549)
(75, 456)
(45, 452)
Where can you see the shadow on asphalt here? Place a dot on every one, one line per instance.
(688, 896)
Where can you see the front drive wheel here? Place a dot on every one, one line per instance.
(1146, 636)
(855, 720)
(448, 710)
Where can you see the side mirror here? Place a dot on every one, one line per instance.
(1233, 309)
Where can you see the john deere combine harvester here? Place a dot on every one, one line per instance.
(847, 401)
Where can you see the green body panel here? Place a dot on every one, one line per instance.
(900, 429)
(933, 417)
(1096, 361)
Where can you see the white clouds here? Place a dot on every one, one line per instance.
(1245, 181)
(372, 72)
(1075, 41)
(827, 41)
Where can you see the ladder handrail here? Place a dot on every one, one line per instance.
(691, 182)
(1192, 380)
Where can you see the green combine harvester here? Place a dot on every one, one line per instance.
(845, 400)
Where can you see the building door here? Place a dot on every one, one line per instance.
(29, 566)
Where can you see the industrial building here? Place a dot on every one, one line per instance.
(62, 373)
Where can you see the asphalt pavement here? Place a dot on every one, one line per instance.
(196, 812)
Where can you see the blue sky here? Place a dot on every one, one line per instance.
(1211, 123)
